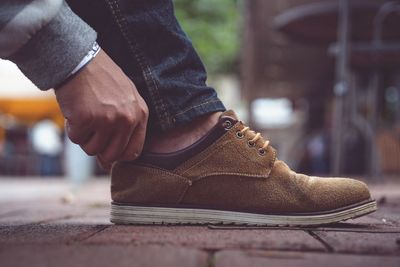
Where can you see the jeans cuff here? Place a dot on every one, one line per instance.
(207, 107)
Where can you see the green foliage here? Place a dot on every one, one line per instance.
(212, 26)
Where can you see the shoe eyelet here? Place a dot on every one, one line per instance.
(239, 134)
(250, 143)
(261, 152)
(227, 124)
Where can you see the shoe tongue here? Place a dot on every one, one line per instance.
(229, 113)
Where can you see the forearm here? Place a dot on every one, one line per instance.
(44, 38)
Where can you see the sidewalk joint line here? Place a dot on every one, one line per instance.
(327, 246)
(86, 237)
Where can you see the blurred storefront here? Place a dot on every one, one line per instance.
(291, 50)
(22, 108)
(32, 139)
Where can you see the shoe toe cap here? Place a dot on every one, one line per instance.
(335, 193)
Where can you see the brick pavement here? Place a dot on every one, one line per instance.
(43, 228)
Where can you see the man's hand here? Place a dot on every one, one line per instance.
(104, 112)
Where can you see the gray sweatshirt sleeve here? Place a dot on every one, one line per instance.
(44, 38)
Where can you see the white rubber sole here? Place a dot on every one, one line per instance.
(124, 214)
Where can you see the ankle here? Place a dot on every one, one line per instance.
(182, 136)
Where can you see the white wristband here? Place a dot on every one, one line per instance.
(90, 55)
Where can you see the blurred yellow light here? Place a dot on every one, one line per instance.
(29, 111)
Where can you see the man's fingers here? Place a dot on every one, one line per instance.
(135, 145)
(97, 143)
(103, 108)
(105, 165)
(77, 134)
(116, 145)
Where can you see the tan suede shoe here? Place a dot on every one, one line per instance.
(231, 175)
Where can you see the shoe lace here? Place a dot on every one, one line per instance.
(256, 136)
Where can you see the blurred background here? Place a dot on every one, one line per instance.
(320, 79)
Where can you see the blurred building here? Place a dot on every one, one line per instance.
(32, 132)
(22, 106)
(289, 53)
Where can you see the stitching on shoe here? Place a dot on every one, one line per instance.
(248, 158)
(272, 163)
(188, 181)
(158, 171)
(246, 174)
(183, 194)
(208, 152)
(250, 175)
(216, 174)
(204, 157)
(205, 154)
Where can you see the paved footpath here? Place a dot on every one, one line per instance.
(43, 224)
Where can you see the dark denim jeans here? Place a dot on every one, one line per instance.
(144, 38)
